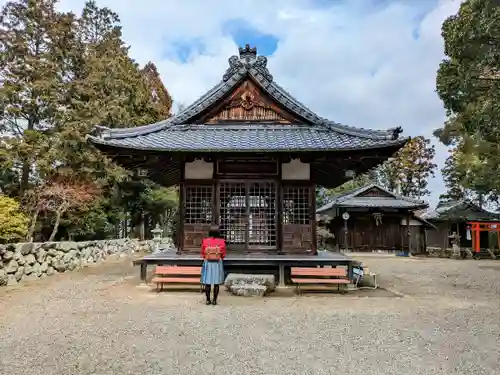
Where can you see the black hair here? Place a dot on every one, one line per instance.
(214, 232)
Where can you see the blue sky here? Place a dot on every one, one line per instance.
(366, 63)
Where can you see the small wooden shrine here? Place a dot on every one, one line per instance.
(248, 156)
(460, 218)
(376, 219)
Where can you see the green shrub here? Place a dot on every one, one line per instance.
(13, 222)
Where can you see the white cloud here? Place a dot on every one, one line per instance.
(352, 63)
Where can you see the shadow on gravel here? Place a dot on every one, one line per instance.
(494, 267)
(289, 292)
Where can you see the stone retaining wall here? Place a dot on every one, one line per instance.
(29, 261)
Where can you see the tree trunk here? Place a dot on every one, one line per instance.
(142, 228)
(31, 229)
(26, 168)
(25, 178)
(56, 226)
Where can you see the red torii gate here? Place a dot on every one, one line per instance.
(476, 227)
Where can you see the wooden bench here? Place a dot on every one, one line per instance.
(320, 276)
(175, 275)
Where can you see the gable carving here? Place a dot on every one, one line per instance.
(249, 103)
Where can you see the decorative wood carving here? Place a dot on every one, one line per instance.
(249, 103)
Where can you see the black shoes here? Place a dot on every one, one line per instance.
(214, 302)
(208, 302)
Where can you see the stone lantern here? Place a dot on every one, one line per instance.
(157, 232)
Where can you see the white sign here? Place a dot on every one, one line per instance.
(345, 216)
(295, 170)
(198, 170)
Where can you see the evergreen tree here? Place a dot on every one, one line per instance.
(410, 168)
(61, 75)
(454, 178)
(33, 41)
(159, 92)
(468, 83)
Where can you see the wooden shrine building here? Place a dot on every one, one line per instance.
(457, 217)
(377, 220)
(248, 156)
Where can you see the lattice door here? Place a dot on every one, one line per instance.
(198, 201)
(247, 214)
(233, 213)
(297, 224)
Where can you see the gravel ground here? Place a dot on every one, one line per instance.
(95, 321)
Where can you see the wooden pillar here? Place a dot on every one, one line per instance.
(346, 230)
(312, 213)
(408, 232)
(182, 198)
(478, 237)
(279, 219)
(445, 237)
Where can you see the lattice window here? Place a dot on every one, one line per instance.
(198, 204)
(296, 205)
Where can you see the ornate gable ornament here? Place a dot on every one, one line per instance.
(248, 61)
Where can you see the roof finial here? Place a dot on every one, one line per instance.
(247, 51)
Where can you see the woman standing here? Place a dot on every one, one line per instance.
(213, 251)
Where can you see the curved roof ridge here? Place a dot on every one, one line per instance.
(248, 63)
(107, 132)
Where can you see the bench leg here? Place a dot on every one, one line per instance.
(157, 287)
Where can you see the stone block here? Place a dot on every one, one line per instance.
(249, 279)
(248, 290)
(12, 267)
(3, 278)
(24, 248)
(11, 280)
(30, 259)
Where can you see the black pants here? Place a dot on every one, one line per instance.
(208, 289)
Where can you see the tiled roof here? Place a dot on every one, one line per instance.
(270, 137)
(176, 134)
(351, 199)
(460, 210)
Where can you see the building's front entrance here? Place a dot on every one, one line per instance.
(248, 214)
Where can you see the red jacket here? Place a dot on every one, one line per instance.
(211, 242)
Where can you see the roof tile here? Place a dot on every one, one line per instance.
(243, 138)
